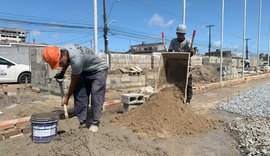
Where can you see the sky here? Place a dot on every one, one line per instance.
(131, 22)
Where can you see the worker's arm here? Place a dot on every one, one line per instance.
(171, 47)
(62, 73)
(64, 68)
(72, 86)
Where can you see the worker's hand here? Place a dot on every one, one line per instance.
(65, 100)
(191, 52)
(59, 75)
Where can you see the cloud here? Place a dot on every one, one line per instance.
(156, 19)
(56, 35)
(35, 33)
(216, 44)
(236, 46)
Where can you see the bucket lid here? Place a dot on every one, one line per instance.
(44, 117)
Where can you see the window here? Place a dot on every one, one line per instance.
(5, 62)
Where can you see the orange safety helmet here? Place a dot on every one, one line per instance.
(51, 55)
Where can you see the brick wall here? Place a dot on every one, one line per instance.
(148, 61)
(42, 74)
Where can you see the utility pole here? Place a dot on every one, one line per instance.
(95, 27)
(221, 40)
(247, 39)
(184, 12)
(244, 37)
(259, 34)
(105, 29)
(268, 51)
(209, 45)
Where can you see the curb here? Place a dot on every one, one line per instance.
(212, 86)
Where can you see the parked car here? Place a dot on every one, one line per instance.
(11, 72)
(264, 67)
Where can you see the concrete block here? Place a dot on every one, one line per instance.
(127, 107)
(125, 79)
(132, 98)
(134, 79)
(150, 76)
(122, 61)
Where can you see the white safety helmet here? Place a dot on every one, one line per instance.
(181, 28)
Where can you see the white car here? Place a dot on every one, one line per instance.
(11, 72)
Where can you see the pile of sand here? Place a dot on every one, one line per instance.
(205, 74)
(165, 115)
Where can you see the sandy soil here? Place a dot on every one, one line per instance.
(113, 140)
(164, 114)
(205, 74)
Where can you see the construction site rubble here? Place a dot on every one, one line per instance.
(254, 102)
(252, 135)
(253, 131)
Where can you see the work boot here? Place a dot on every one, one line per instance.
(93, 128)
(82, 124)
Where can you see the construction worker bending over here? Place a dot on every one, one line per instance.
(89, 74)
(182, 44)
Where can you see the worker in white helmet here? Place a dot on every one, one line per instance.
(182, 44)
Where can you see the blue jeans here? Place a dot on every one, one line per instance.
(94, 84)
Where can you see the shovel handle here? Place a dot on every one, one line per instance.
(65, 111)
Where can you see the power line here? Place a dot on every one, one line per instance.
(10, 15)
(47, 24)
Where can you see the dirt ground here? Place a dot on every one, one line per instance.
(113, 139)
(33, 102)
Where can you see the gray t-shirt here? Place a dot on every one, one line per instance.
(177, 46)
(83, 59)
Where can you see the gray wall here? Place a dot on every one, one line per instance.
(19, 53)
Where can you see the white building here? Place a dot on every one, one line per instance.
(148, 47)
(12, 35)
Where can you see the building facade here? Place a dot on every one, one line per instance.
(12, 35)
(148, 47)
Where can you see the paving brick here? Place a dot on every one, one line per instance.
(26, 130)
(6, 126)
(17, 135)
(112, 102)
(23, 122)
(11, 133)
(36, 90)
(2, 137)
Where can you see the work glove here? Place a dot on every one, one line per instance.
(59, 75)
(191, 52)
